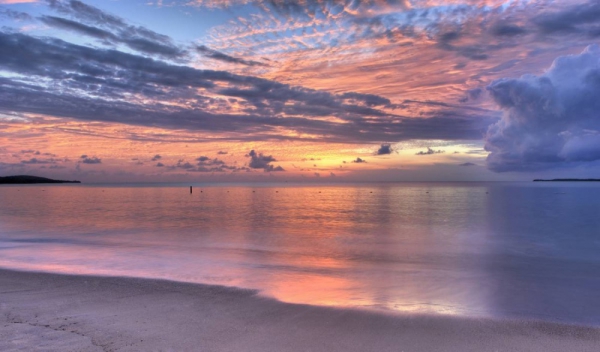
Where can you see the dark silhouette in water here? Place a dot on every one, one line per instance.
(26, 179)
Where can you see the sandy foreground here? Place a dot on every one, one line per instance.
(48, 312)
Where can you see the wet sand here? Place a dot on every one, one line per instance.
(49, 312)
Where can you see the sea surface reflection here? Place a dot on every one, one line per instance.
(520, 250)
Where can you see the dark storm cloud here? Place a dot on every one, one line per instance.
(95, 83)
(217, 55)
(261, 161)
(430, 151)
(385, 148)
(549, 120)
(116, 30)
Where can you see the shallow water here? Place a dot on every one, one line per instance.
(516, 250)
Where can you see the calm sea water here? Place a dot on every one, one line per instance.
(517, 250)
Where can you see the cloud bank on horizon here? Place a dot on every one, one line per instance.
(290, 79)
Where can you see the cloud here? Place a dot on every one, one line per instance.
(359, 160)
(90, 160)
(156, 157)
(385, 148)
(207, 164)
(115, 29)
(261, 161)
(15, 15)
(221, 152)
(430, 152)
(63, 23)
(582, 18)
(38, 161)
(216, 55)
(446, 41)
(467, 164)
(507, 30)
(16, 1)
(368, 99)
(203, 164)
(30, 151)
(184, 165)
(549, 120)
(472, 94)
(95, 84)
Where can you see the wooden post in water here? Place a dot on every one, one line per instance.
(190, 189)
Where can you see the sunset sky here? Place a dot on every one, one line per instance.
(299, 90)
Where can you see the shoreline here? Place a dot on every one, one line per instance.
(56, 312)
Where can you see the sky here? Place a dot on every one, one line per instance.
(299, 90)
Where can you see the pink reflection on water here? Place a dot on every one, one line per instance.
(412, 248)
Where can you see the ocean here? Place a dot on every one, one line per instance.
(492, 250)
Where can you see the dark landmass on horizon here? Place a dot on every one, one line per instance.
(26, 179)
(569, 180)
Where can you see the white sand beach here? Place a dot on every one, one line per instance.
(48, 312)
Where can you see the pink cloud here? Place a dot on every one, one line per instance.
(16, 1)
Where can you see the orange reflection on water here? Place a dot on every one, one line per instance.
(396, 248)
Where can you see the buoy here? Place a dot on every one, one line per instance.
(190, 189)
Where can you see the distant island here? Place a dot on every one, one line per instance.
(569, 180)
(26, 179)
